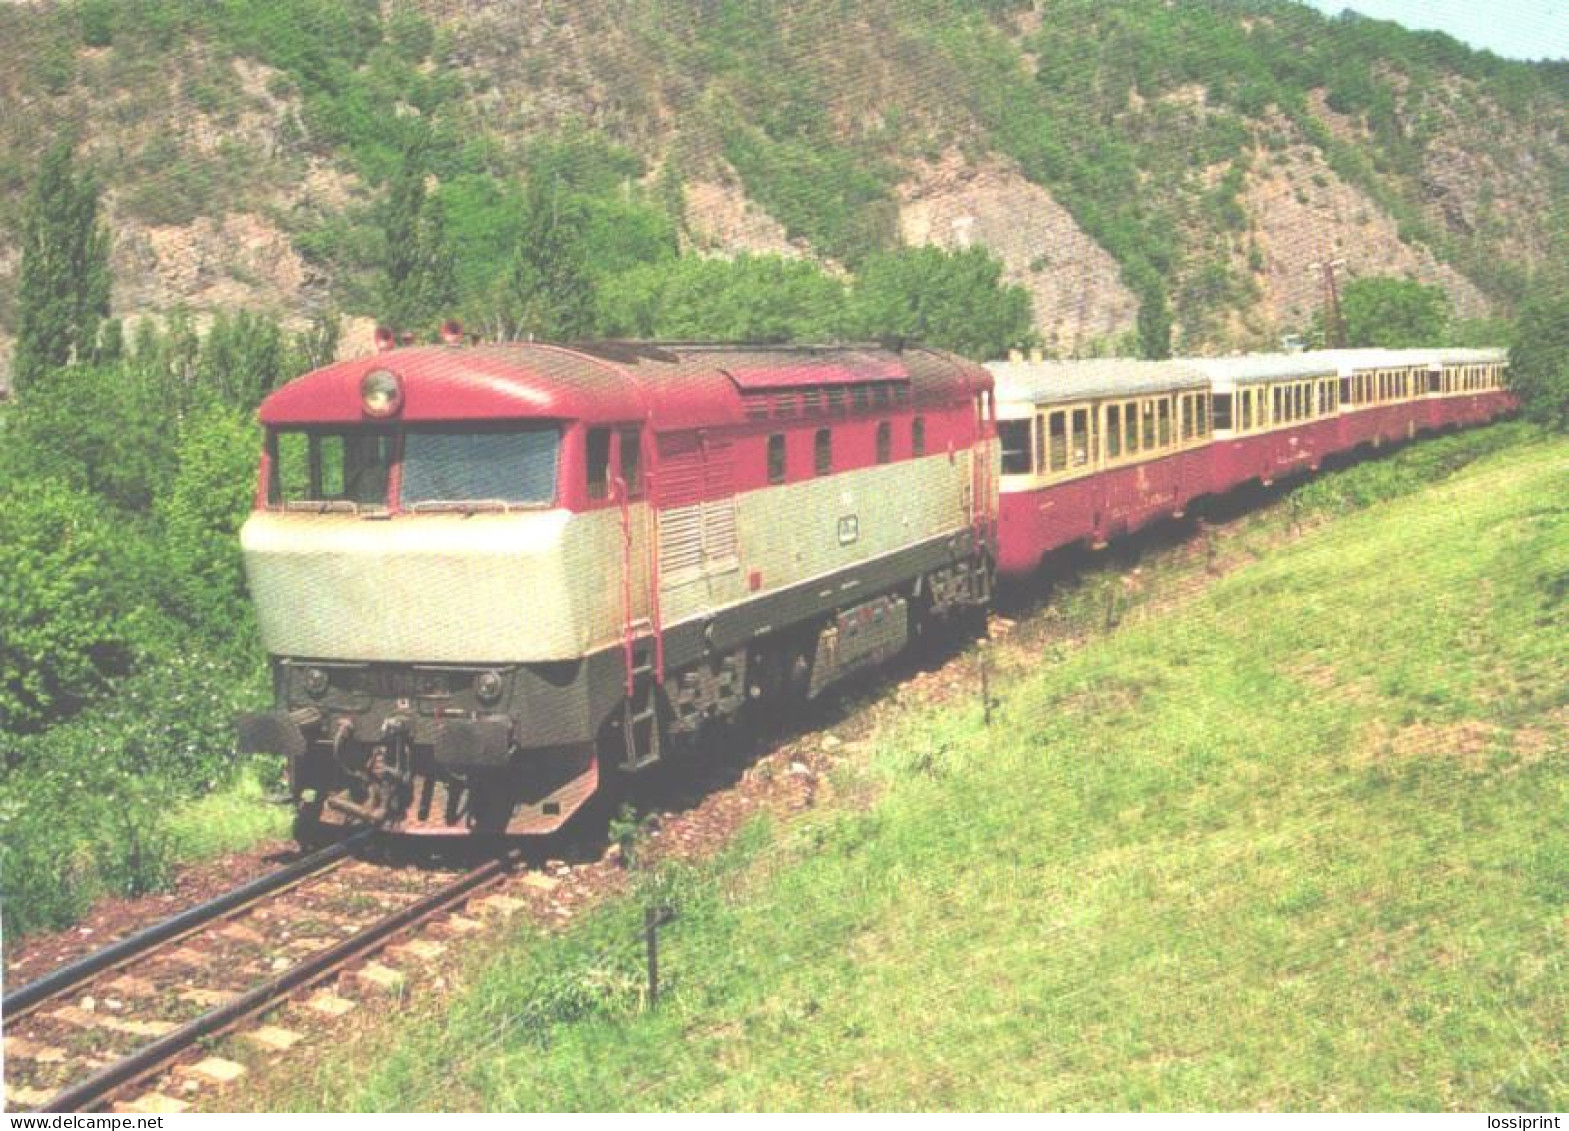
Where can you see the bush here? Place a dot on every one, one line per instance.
(68, 618)
(87, 807)
(200, 514)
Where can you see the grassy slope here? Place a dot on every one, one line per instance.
(1297, 844)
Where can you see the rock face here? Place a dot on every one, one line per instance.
(1073, 283)
(1302, 213)
(723, 221)
(214, 263)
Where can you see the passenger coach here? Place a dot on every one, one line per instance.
(1092, 450)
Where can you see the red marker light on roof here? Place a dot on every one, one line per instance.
(381, 392)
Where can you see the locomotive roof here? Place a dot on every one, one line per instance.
(673, 384)
(1053, 382)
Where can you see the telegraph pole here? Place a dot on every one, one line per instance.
(1334, 325)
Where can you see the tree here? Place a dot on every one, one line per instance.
(1396, 313)
(952, 299)
(419, 273)
(242, 358)
(63, 289)
(1154, 324)
(753, 298)
(1539, 357)
(548, 290)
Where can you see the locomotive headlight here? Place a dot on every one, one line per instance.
(315, 682)
(488, 687)
(381, 393)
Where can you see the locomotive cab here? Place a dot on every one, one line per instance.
(426, 582)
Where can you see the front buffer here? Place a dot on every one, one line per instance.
(435, 749)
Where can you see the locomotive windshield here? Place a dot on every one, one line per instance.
(451, 468)
(516, 466)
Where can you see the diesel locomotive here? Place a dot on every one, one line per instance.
(487, 576)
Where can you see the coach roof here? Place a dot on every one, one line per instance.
(1225, 373)
(1054, 382)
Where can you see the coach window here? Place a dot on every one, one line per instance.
(1057, 441)
(823, 451)
(918, 436)
(1163, 416)
(1083, 442)
(776, 458)
(631, 459)
(1147, 434)
(1014, 436)
(1223, 411)
(598, 463)
(1113, 431)
(885, 441)
(1130, 427)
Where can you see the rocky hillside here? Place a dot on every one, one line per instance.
(1111, 156)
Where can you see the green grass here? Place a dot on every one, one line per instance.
(1297, 844)
(236, 817)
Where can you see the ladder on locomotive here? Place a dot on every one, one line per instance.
(642, 646)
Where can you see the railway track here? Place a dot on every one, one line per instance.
(85, 1034)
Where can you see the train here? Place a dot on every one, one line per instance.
(489, 577)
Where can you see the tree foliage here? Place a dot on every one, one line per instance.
(756, 298)
(1396, 313)
(63, 288)
(64, 609)
(952, 299)
(548, 290)
(1539, 357)
(199, 513)
(419, 272)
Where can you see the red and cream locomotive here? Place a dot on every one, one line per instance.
(486, 576)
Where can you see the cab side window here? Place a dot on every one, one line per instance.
(631, 460)
(598, 459)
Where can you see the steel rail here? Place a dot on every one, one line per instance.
(24, 999)
(314, 967)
